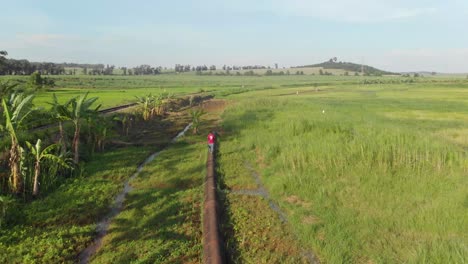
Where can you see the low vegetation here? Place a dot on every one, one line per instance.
(56, 228)
(254, 233)
(356, 185)
(368, 169)
(161, 220)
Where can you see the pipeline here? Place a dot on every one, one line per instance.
(213, 250)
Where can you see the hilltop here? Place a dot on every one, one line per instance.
(348, 66)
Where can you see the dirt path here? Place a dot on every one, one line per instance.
(262, 192)
(103, 225)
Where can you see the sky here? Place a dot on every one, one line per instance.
(396, 35)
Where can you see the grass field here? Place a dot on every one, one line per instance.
(366, 170)
(55, 229)
(117, 90)
(161, 219)
(366, 174)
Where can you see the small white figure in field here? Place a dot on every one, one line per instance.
(323, 111)
(297, 92)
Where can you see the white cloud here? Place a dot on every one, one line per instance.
(349, 10)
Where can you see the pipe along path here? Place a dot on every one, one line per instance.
(213, 250)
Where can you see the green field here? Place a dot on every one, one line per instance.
(363, 175)
(366, 170)
(116, 90)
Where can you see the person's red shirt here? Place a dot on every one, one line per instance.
(211, 138)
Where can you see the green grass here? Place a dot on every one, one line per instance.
(116, 90)
(169, 194)
(358, 185)
(379, 177)
(55, 229)
(58, 227)
(161, 220)
(253, 232)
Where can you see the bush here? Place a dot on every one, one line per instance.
(37, 82)
(6, 208)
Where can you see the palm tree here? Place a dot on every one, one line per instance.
(196, 116)
(43, 154)
(16, 112)
(80, 108)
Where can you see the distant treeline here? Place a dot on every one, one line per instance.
(25, 67)
(202, 68)
(348, 66)
(250, 73)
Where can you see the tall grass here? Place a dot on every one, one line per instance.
(381, 190)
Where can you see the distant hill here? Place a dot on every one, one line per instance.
(349, 66)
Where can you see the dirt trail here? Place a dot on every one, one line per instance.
(262, 192)
(103, 225)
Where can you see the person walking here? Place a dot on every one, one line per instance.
(211, 141)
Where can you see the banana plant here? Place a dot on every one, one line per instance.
(161, 102)
(97, 132)
(196, 119)
(61, 113)
(40, 155)
(125, 121)
(6, 89)
(16, 112)
(80, 109)
(147, 104)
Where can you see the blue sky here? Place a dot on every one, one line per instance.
(394, 35)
